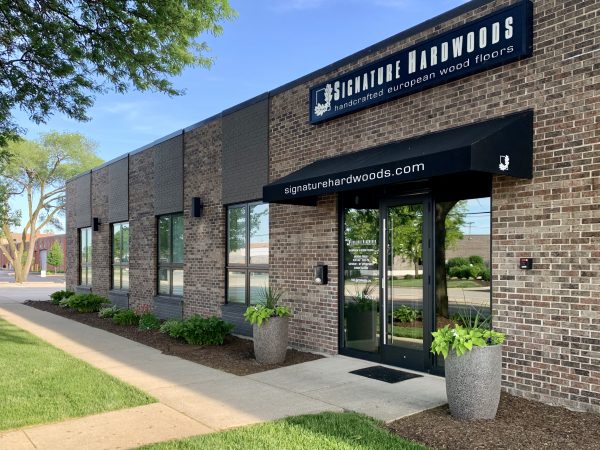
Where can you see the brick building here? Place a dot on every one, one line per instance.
(494, 103)
(42, 245)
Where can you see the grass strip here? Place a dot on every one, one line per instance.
(41, 383)
(325, 431)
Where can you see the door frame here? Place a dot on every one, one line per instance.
(408, 358)
(388, 354)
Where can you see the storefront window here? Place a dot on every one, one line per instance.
(85, 256)
(120, 256)
(247, 252)
(170, 255)
(462, 261)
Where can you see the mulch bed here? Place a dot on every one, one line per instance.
(235, 356)
(520, 424)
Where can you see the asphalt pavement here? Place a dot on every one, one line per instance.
(35, 288)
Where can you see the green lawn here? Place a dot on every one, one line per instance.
(40, 383)
(409, 332)
(451, 283)
(339, 431)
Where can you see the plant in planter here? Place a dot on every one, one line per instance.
(361, 314)
(473, 364)
(269, 327)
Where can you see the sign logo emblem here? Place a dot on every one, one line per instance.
(504, 162)
(327, 95)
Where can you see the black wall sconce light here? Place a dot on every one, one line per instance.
(197, 207)
(96, 223)
(320, 274)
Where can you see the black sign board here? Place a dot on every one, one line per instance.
(499, 38)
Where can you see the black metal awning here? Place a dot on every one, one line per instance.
(502, 146)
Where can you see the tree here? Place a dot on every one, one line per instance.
(55, 255)
(56, 54)
(449, 218)
(39, 170)
(406, 225)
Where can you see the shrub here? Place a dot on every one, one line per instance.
(461, 272)
(407, 314)
(476, 260)
(206, 331)
(108, 313)
(57, 296)
(453, 272)
(419, 277)
(84, 302)
(486, 274)
(173, 328)
(198, 330)
(457, 262)
(408, 276)
(126, 317)
(148, 321)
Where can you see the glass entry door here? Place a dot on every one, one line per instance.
(405, 283)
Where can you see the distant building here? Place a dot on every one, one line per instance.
(43, 243)
(469, 245)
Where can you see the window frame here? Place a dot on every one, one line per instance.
(169, 266)
(246, 267)
(87, 265)
(120, 264)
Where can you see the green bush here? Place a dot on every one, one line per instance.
(408, 276)
(407, 314)
(84, 302)
(126, 317)
(457, 262)
(476, 260)
(460, 272)
(206, 331)
(198, 330)
(148, 321)
(173, 328)
(57, 296)
(486, 274)
(108, 313)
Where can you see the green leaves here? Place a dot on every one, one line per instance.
(84, 303)
(198, 330)
(259, 313)
(55, 55)
(463, 339)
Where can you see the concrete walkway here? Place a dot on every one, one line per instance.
(195, 399)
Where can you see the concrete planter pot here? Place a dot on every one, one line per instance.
(271, 340)
(473, 383)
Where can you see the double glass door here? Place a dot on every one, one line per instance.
(411, 264)
(385, 282)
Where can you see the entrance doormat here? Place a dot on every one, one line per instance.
(385, 374)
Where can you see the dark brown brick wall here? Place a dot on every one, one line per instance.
(204, 270)
(72, 259)
(100, 238)
(142, 229)
(302, 237)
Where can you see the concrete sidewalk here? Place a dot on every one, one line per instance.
(195, 399)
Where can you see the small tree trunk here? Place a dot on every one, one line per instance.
(441, 285)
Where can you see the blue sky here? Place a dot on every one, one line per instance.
(271, 43)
